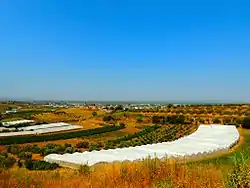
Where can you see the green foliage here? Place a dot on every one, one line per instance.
(58, 149)
(135, 135)
(19, 163)
(139, 118)
(119, 107)
(59, 136)
(35, 149)
(84, 170)
(202, 121)
(70, 150)
(40, 165)
(150, 135)
(83, 144)
(25, 155)
(107, 118)
(174, 119)
(239, 175)
(122, 124)
(94, 146)
(6, 161)
(246, 123)
(216, 121)
(13, 149)
(94, 114)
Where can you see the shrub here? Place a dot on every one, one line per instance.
(82, 145)
(13, 149)
(94, 146)
(216, 120)
(246, 123)
(40, 165)
(25, 155)
(122, 124)
(19, 163)
(107, 118)
(84, 170)
(27, 148)
(6, 162)
(70, 150)
(94, 114)
(66, 145)
(4, 154)
(36, 149)
(139, 119)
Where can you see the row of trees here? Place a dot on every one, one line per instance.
(59, 136)
(147, 130)
(174, 119)
(56, 148)
(155, 135)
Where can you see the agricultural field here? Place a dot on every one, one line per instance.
(102, 130)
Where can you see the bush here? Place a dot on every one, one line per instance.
(13, 149)
(66, 145)
(27, 148)
(107, 118)
(82, 145)
(84, 170)
(216, 121)
(25, 155)
(94, 114)
(246, 123)
(94, 146)
(6, 162)
(40, 165)
(36, 149)
(139, 119)
(70, 150)
(19, 163)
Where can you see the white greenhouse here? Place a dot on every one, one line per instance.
(40, 129)
(205, 140)
(17, 122)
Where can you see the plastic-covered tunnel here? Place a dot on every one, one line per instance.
(206, 139)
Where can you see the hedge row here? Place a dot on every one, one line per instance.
(40, 165)
(59, 136)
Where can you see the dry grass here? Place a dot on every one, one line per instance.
(147, 173)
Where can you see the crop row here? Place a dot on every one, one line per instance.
(163, 134)
(135, 135)
(59, 136)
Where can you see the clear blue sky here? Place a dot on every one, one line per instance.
(125, 50)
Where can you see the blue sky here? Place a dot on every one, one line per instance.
(125, 50)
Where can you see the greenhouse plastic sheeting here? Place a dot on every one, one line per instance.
(206, 139)
(9, 123)
(49, 129)
(44, 126)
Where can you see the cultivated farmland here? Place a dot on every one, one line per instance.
(118, 135)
